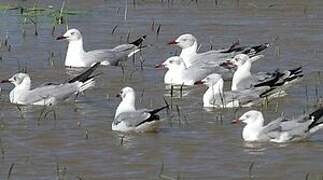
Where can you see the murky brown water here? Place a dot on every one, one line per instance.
(199, 144)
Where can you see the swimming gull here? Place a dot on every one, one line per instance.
(48, 94)
(128, 119)
(216, 97)
(243, 79)
(281, 130)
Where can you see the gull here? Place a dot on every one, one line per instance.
(188, 44)
(215, 97)
(281, 130)
(76, 56)
(128, 119)
(179, 74)
(48, 94)
(243, 79)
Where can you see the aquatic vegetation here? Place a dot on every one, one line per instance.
(57, 14)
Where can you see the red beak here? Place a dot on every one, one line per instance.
(159, 66)
(172, 42)
(198, 82)
(60, 38)
(235, 121)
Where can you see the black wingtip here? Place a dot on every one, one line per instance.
(296, 70)
(257, 49)
(85, 75)
(266, 93)
(159, 109)
(316, 115)
(234, 45)
(139, 41)
(271, 82)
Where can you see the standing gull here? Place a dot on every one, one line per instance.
(179, 74)
(129, 119)
(76, 56)
(281, 130)
(188, 44)
(48, 94)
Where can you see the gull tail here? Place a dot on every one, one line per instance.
(315, 125)
(139, 41)
(85, 76)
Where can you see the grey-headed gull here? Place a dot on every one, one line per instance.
(48, 94)
(243, 79)
(179, 74)
(76, 56)
(281, 130)
(188, 44)
(216, 97)
(128, 119)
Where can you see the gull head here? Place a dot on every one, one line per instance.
(251, 117)
(71, 35)
(126, 92)
(18, 79)
(173, 62)
(210, 80)
(239, 60)
(184, 41)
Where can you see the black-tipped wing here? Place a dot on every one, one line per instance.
(133, 118)
(139, 41)
(316, 115)
(85, 75)
(138, 117)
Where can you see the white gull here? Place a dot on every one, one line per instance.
(49, 93)
(128, 119)
(76, 56)
(281, 130)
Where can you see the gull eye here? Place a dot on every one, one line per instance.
(171, 61)
(72, 33)
(14, 78)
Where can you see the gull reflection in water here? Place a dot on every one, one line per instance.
(255, 148)
(177, 91)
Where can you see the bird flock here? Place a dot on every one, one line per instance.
(190, 68)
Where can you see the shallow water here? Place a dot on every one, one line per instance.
(198, 144)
